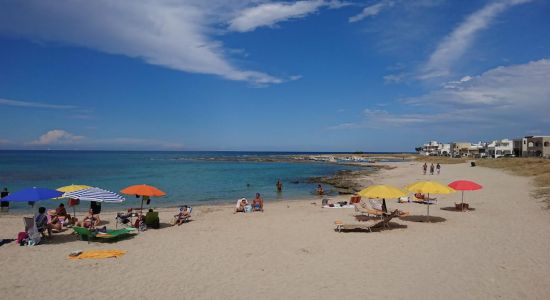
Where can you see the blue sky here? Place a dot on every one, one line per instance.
(383, 75)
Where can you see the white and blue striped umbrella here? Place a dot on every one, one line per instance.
(95, 194)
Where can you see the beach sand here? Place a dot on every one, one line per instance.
(291, 251)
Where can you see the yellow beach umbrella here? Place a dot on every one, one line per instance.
(382, 191)
(429, 187)
(72, 188)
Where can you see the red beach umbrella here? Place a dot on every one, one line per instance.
(464, 185)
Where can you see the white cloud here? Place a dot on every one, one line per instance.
(271, 13)
(371, 10)
(514, 97)
(57, 136)
(10, 102)
(64, 139)
(453, 46)
(173, 34)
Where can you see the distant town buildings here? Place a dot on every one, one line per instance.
(529, 146)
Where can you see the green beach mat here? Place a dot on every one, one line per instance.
(86, 233)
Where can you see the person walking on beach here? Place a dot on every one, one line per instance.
(425, 168)
(279, 186)
(432, 169)
(438, 167)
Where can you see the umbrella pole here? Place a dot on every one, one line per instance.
(428, 215)
(462, 204)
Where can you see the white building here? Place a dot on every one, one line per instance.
(500, 148)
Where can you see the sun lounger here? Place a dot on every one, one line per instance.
(384, 223)
(87, 234)
(368, 211)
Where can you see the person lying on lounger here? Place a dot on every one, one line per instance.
(183, 215)
(90, 221)
(241, 204)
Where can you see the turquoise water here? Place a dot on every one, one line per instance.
(187, 177)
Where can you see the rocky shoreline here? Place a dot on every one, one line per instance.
(347, 182)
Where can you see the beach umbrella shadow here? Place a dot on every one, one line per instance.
(417, 218)
(452, 208)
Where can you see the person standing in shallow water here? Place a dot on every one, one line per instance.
(432, 169)
(438, 167)
(279, 186)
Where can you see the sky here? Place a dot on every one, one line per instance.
(260, 75)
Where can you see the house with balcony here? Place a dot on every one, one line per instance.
(499, 148)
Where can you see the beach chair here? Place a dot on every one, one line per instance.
(152, 219)
(34, 236)
(384, 223)
(364, 210)
(86, 234)
(185, 219)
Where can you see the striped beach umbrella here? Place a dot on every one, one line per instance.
(95, 194)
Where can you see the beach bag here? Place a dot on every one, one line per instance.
(22, 238)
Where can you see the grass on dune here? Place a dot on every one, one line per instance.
(538, 168)
(442, 159)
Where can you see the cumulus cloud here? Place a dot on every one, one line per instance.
(10, 102)
(453, 46)
(168, 33)
(513, 97)
(57, 136)
(271, 13)
(371, 10)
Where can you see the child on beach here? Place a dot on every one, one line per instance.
(425, 168)
(438, 167)
(320, 190)
(432, 169)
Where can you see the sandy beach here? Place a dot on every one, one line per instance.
(291, 251)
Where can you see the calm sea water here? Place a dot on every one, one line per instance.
(187, 177)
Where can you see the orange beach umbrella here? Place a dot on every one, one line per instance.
(143, 190)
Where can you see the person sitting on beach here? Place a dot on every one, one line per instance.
(258, 203)
(41, 222)
(320, 190)
(183, 215)
(420, 196)
(241, 204)
(62, 215)
(90, 221)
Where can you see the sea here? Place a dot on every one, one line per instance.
(187, 177)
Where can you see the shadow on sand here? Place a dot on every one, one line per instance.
(424, 219)
(392, 225)
(452, 208)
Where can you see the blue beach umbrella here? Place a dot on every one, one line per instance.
(32, 195)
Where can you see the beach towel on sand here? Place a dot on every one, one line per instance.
(95, 254)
